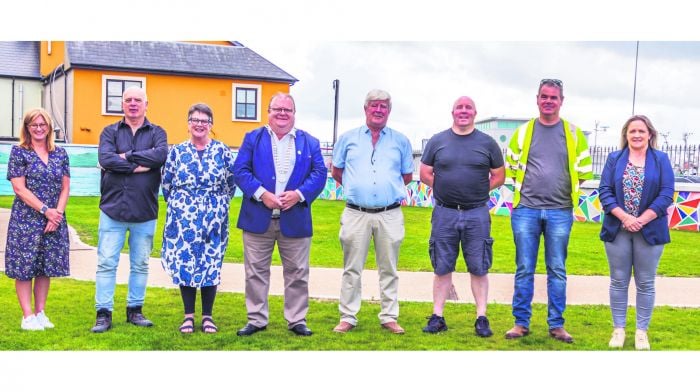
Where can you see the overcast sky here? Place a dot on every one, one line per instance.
(428, 54)
(424, 79)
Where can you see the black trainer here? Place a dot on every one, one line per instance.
(435, 324)
(135, 316)
(482, 327)
(103, 321)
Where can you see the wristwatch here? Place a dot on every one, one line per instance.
(44, 208)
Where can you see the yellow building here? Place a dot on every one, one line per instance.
(85, 80)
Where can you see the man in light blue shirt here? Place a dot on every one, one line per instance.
(373, 163)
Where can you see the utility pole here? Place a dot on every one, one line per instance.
(336, 88)
(634, 91)
(598, 128)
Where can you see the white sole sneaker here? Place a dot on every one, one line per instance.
(43, 320)
(31, 323)
(641, 340)
(618, 338)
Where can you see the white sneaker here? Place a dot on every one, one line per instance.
(641, 340)
(43, 320)
(31, 323)
(618, 338)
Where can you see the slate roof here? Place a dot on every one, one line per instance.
(19, 59)
(175, 58)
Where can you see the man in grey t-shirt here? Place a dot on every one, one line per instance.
(462, 165)
(547, 157)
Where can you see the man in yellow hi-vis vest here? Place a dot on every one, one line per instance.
(547, 159)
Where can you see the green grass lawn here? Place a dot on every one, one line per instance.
(586, 252)
(71, 309)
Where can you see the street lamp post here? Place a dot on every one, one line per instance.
(598, 128)
(665, 136)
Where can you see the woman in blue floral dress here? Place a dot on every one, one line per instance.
(198, 186)
(37, 235)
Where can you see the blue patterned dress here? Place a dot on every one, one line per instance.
(197, 193)
(29, 251)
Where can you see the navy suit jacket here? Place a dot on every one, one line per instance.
(657, 194)
(254, 167)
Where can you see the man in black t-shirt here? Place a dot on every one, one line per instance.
(462, 165)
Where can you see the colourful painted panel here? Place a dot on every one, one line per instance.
(683, 213)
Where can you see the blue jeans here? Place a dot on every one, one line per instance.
(528, 225)
(112, 235)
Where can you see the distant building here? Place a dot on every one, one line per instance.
(500, 128)
(80, 83)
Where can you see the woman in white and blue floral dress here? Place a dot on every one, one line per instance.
(198, 186)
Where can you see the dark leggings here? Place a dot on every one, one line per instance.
(189, 295)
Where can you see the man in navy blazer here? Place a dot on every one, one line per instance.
(281, 171)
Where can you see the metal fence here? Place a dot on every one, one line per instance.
(684, 159)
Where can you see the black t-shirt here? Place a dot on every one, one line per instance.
(461, 164)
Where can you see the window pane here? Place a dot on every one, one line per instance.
(240, 110)
(240, 95)
(131, 83)
(114, 88)
(250, 111)
(114, 104)
(251, 96)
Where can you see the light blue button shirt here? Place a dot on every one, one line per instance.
(373, 175)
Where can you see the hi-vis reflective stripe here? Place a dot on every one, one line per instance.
(579, 166)
(521, 135)
(512, 155)
(583, 169)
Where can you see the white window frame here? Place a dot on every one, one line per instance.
(258, 87)
(103, 105)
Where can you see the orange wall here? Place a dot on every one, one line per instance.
(169, 98)
(48, 62)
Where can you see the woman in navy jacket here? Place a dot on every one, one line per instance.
(636, 189)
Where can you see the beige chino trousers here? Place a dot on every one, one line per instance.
(257, 257)
(357, 228)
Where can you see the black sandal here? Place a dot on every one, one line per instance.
(184, 328)
(210, 327)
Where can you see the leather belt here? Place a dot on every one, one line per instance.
(460, 206)
(275, 216)
(373, 210)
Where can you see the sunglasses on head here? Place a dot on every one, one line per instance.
(552, 81)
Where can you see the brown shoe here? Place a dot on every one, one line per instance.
(343, 327)
(561, 334)
(394, 327)
(518, 331)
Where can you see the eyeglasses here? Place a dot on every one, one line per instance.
(195, 121)
(552, 81)
(37, 126)
(282, 110)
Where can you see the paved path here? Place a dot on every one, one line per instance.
(413, 286)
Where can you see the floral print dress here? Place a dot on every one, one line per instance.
(29, 251)
(632, 187)
(197, 193)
